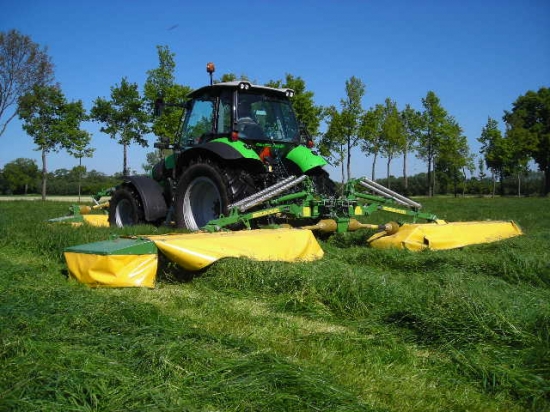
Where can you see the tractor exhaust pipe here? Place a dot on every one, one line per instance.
(268, 193)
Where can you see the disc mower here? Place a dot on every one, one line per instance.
(242, 172)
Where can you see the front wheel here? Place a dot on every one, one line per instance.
(125, 208)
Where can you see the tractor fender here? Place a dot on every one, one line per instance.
(229, 150)
(305, 159)
(225, 149)
(151, 194)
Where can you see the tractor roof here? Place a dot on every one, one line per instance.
(241, 85)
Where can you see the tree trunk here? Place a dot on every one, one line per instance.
(519, 184)
(546, 173)
(494, 184)
(348, 163)
(79, 176)
(430, 193)
(388, 172)
(375, 155)
(405, 178)
(342, 165)
(125, 160)
(464, 182)
(44, 174)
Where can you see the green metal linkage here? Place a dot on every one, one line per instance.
(311, 206)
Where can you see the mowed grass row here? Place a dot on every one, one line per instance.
(361, 329)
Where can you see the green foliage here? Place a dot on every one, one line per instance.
(344, 126)
(66, 182)
(123, 117)
(53, 123)
(161, 83)
(371, 133)
(412, 121)
(152, 158)
(529, 130)
(441, 143)
(23, 65)
(20, 175)
(454, 158)
(359, 330)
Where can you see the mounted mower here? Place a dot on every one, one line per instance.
(241, 161)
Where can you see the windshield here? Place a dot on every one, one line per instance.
(261, 117)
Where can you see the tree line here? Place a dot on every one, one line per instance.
(381, 132)
(22, 176)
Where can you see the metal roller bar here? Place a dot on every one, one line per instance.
(262, 192)
(389, 193)
(269, 193)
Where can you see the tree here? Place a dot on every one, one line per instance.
(432, 130)
(371, 134)
(332, 144)
(124, 117)
(152, 158)
(23, 65)
(231, 77)
(307, 112)
(453, 158)
(80, 139)
(528, 128)
(344, 127)
(411, 121)
(496, 151)
(52, 122)
(393, 139)
(161, 83)
(20, 175)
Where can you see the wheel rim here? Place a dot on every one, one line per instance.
(124, 213)
(201, 203)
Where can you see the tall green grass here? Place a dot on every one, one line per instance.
(361, 329)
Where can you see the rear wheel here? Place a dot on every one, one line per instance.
(125, 208)
(204, 192)
(323, 183)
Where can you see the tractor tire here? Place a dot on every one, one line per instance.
(323, 183)
(125, 208)
(204, 192)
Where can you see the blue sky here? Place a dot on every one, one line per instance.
(477, 56)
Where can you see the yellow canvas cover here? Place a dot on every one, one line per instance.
(133, 261)
(113, 270)
(195, 251)
(96, 220)
(443, 235)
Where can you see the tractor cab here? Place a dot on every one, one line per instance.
(239, 110)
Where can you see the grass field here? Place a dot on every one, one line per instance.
(359, 330)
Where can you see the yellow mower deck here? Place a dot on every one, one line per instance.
(443, 235)
(133, 261)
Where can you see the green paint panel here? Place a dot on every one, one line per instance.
(170, 161)
(245, 150)
(118, 246)
(305, 158)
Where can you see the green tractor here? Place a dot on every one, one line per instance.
(235, 140)
(241, 161)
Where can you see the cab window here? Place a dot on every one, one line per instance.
(199, 121)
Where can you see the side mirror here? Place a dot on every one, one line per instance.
(159, 106)
(162, 143)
